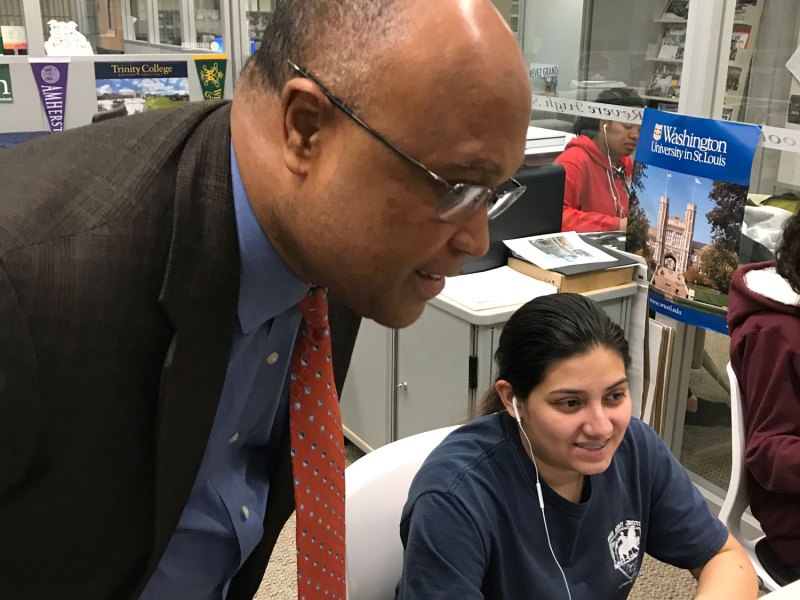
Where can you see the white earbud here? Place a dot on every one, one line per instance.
(516, 411)
(605, 129)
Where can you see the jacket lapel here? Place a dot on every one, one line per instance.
(199, 295)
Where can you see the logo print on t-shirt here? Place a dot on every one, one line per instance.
(623, 543)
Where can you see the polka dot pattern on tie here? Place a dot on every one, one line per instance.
(317, 451)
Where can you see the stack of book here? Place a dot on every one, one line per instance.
(571, 262)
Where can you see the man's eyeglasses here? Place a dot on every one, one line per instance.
(460, 196)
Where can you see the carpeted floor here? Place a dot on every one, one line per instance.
(706, 451)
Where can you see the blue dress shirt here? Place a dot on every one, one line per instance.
(223, 519)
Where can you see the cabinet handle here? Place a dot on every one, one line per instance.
(402, 386)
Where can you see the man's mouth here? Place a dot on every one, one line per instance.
(431, 276)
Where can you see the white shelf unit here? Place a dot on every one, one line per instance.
(739, 68)
(669, 69)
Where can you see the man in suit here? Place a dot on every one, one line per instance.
(151, 268)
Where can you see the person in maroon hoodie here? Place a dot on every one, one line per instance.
(764, 321)
(598, 168)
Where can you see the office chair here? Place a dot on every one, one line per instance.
(376, 491)
(736, 499)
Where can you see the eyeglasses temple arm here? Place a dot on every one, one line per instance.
(350, 113)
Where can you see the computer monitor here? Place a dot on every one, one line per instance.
(538, 211)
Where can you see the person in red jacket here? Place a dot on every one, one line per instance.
(764, 321)
(598, 168)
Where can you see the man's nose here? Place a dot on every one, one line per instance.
(472, 235)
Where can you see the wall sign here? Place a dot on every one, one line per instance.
(6, 91)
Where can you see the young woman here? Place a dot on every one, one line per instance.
(598, 168)
(556, 492)
(764, 320)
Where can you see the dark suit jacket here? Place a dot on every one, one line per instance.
(119, 276)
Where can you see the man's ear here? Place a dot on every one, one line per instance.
(506, 394)
(304, 108)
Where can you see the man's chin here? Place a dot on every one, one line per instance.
(397, 316)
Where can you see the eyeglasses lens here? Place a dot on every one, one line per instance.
(504, 202)
(464, 197)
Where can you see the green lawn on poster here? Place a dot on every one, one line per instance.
(154, 103)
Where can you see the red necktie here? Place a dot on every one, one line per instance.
(317, 457)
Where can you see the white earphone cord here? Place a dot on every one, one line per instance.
(541, 498)
(610, 179)
(541, 506)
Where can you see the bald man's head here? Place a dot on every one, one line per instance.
(345, 41)
(339, 38)
(442, 80)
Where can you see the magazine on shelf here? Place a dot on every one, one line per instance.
(665, 82)
(668, 106)
(742, 6)
(732, 80)
(673, 43)
(740, 39)
(677, 10)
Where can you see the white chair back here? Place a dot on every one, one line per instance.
(376, 491)
(736, 499)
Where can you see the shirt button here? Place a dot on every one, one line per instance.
(245, 512)
(233, 438)
(273, 358)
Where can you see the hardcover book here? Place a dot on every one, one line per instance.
(581, 282)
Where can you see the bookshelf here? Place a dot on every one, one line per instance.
(743, 39)
(664, 56)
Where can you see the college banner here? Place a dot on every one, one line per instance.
(6, 91)
(126, 88)
(689, 188)
(51, 80)
(211, 71)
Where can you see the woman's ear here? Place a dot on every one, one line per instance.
(506, 394)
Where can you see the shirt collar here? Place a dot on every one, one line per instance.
(267, 286)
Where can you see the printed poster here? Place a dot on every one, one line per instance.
(126, 88)
(211, 71)
(51, 75)
(6, 91)
(690, 183)
(13, 39)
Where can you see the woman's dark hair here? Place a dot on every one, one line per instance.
(788, 253)
(544, 332)
(618, 96)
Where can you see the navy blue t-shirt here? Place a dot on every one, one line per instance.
(472, 526)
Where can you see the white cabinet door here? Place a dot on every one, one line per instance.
(433, 357)
(367, 394)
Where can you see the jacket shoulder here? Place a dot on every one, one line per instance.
(77, 180)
